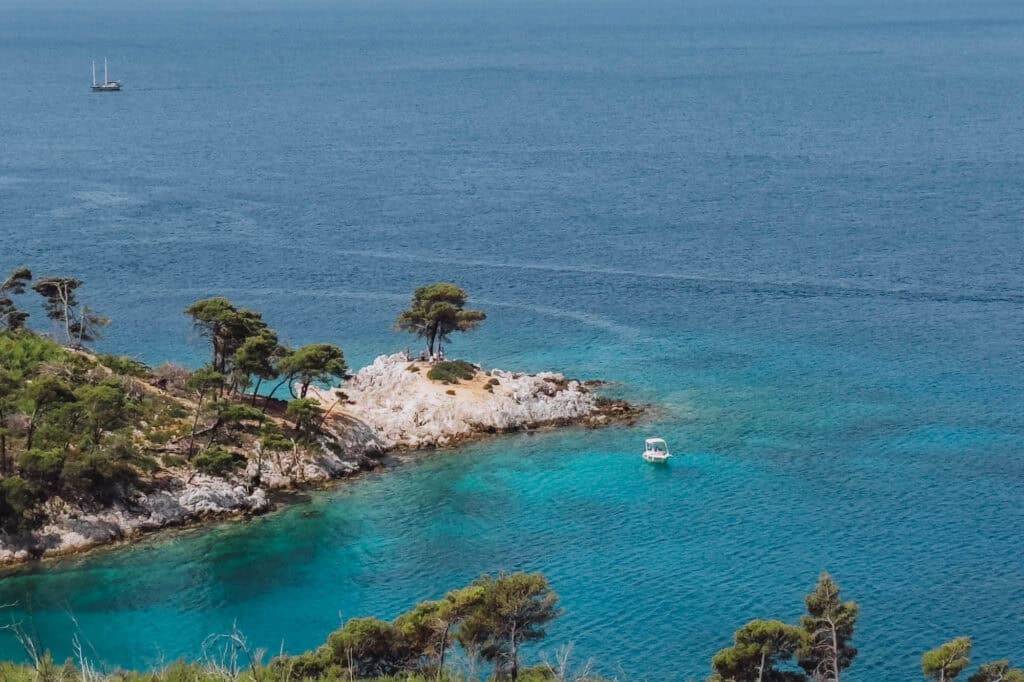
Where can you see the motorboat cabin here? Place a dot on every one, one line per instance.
(656, 451)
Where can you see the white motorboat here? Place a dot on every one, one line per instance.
(656, 451)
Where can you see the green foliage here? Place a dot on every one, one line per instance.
(17, 497)
(80, 323)
(73, 431)
(451, 371)
(69, 420)
(42, 397)
(437, 310)
(257, 356)
(758, 647)
(226, 326)
(124, 365)
(509, 610)
(370, 646)
(538, 673)
(204, 381)
(306, 414)
(11, 317)
(175, 410)
(999, 671)
(105, 407)
(218, 461)
(273, 439)
(171, 460)
(411, 648)
(318, 362)
(230, 417)
(504, 611)
(42, 466)
(946, 662)
(21, 354)
(829, 625)
(104, 473)
(232, 413)
(47, 391)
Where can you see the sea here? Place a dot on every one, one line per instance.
(791, 227)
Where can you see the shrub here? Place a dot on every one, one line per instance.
(158, 437)
(43, 466)
(306, 414)
(23, 353)
(217, 461)
(173, 460)
(17, 496)
(171, 376)
(537, 673)
(307, 666)
(105, 472)
(176, 411)
(122, 364)
(452, 371)
(372, 645)
(450, 391)
(235, 413)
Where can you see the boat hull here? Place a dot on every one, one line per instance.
(655, 457)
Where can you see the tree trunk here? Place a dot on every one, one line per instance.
(195, 423)
(323, 420)
(256, 390)
(444, 649)
(67, 312)
(514, 655)
(760, 668)
(266, 403)
(835, 651)
(217, 424)
(31, 431)
(4, 467)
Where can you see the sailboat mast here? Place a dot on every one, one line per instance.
(94, 72)
(105, 79)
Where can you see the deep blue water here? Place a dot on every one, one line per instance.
(796, 226)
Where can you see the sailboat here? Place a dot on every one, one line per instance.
(107, 85)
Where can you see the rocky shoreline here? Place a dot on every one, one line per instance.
(387, 406)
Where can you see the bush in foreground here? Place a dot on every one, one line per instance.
(490, 619)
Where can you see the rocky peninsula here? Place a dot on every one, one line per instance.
(388, 406)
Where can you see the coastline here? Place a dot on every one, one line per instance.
(387, 408)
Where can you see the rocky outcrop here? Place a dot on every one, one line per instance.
(389, 405)
(400, 408)
(179, 497)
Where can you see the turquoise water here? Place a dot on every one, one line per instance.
(796, 228)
